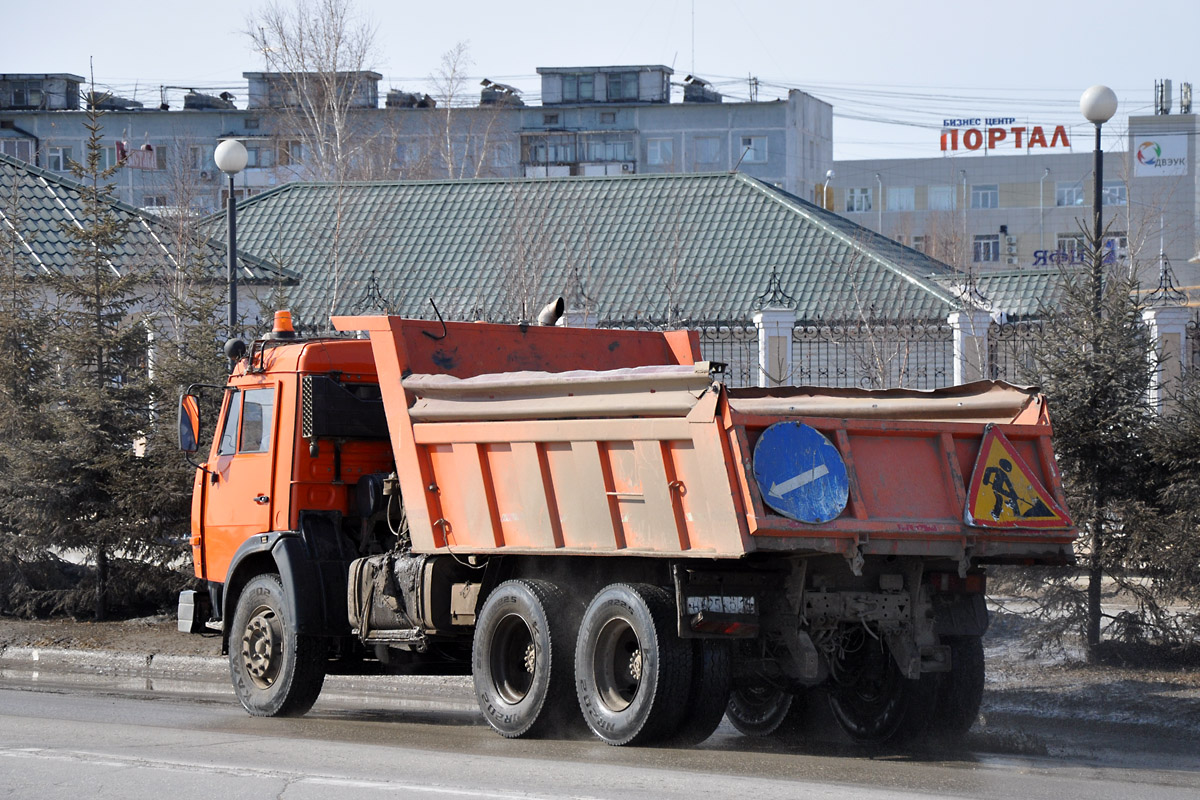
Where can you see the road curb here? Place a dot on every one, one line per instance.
(106, 662)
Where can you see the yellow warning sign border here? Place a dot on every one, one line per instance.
(991, 434)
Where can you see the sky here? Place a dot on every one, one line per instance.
(893, 71)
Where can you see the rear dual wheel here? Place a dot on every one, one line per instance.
(521, 659)
(632, 672)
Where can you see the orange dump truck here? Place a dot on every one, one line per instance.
(596, 528)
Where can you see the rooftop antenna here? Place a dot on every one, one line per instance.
(694, 37)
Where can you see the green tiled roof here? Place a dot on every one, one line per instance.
(1018, 293)
(36, 204)
(663, 248)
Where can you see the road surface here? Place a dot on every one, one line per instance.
(65, 738)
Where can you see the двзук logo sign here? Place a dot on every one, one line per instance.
(1161, 156)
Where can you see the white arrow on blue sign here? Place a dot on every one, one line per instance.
(800, 473)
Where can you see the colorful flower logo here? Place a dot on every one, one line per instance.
(1149, 153)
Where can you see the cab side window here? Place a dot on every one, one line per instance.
(228, 444)
(258, 417)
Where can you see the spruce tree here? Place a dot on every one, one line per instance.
(1095, 361)
(91, 475)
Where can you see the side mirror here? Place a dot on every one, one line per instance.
(189, 423)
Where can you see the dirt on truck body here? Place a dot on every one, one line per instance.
(595, 527)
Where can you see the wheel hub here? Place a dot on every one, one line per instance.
(530, 658)
(261, 647)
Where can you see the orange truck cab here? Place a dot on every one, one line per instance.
(592, 524)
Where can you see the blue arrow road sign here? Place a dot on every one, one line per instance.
(800, 473)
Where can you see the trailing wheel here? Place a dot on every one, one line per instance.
(521, 659)
(960, 691)
(758, 709)
(871, 699)
(276, 671)
(632, 672)
(708, 695)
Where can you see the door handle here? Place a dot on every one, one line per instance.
(262, 499)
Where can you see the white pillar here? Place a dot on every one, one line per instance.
(1168, 331)
(774, 345)
(575, 317)
(970, 344)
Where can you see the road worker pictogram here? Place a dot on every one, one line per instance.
(1005, 492)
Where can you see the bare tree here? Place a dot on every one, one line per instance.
(462, 141)
(319, 50)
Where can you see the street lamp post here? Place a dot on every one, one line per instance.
(825, 190)
(231, 158)
(1098, 104)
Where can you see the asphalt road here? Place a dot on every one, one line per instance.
(69, 738)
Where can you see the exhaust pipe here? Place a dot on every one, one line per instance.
(551, 313)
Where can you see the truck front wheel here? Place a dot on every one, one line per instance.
(521, 659)
(631, 670)
(276, 671)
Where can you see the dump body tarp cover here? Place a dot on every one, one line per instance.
(660, 390)
(982, 401)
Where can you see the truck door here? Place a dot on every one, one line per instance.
(238, 501)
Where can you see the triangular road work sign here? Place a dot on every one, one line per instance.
(1005, 493)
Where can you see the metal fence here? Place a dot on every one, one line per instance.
(874, 355)
(1010, 351)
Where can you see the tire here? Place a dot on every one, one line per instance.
(708, 695)
(521, 659)
(757, 709)
(960, 691)
(276, 671)
(632, 672)
(873, 702)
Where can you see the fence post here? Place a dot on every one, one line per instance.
(1168, 331)
(774, 345)
(970, 344)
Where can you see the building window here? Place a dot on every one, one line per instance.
(609, 149)
(660, 152)
(108, 157)
(18, 148)
(754, 149)
(901, 198)
(26, 94)
(918, 242)
(549, 149)
(622, 86)
(58, 159)
(199, 157)
(260, 155)
(858, 199)
(987, 248)
(578, 88)
(941, 198)
(250, 122)
(608, 117)
(1115, 193)
(154, 201)
(708, 150)
(549, 119)
(292, 153)
(985, 195)
(1068, 194)
(1071, 247)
